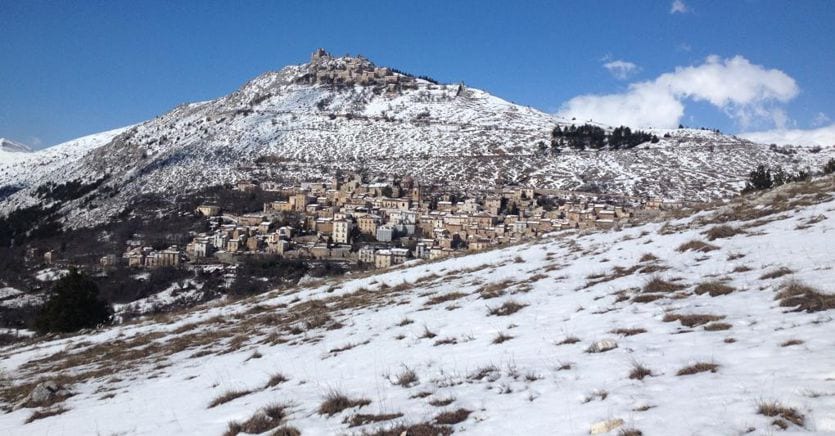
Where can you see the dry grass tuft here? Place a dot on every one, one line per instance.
(659, 285)
(229, 396)
(363, 419)
(442, 402)
(791, 342)
(696, 245)
(404, 322)
(275, 380)
(697, 368)
(507, 308)
(722, 231)
(630, 432)
(46, 413)
(691, 320)
(779, 272)
(494, 290)
(628, 332)
(427, 334)
(449, 418)
(639, 371)
(713, 288)
(264, 419)
(648, 257)
(423, 429)
(774, 409)
(336, 402)
(407, 378)
(501, 337)
(569, 340)
(646, 298)
(717, 326)
(804, 298)
(438, 299)
(286, 431)
(446, 341)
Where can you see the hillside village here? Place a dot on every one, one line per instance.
(381, 224)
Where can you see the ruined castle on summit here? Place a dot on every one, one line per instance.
(350, 71)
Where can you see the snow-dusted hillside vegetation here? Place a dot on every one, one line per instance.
(716, 323)
(306, 121)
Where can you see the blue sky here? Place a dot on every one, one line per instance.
(72, 68)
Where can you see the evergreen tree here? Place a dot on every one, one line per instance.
(829, 168)
(760, 179)
(74, 304)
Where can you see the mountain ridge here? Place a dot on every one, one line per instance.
(347, 114)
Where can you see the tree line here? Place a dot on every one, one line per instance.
(594, 137)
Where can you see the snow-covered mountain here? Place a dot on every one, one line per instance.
(720, 323)
(305, 121)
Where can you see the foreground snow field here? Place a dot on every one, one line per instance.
(698, 325)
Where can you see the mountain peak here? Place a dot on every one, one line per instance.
(13, 146)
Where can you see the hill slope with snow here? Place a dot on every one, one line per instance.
(717, 323)
(307, 121)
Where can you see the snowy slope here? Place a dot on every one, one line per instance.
(362, 336)
(448, 134)
(56, 163)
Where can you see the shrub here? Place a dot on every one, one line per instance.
(759, 179)
(74, 304)
(829, 167)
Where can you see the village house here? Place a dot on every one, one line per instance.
(208, 210)
(342, 231)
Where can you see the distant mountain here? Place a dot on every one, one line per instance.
(12, 150)
(346, 113)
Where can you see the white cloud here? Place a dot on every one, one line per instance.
(744, 91)
(820, 119)
(678, 7)
(824, 136)
(621, 70)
